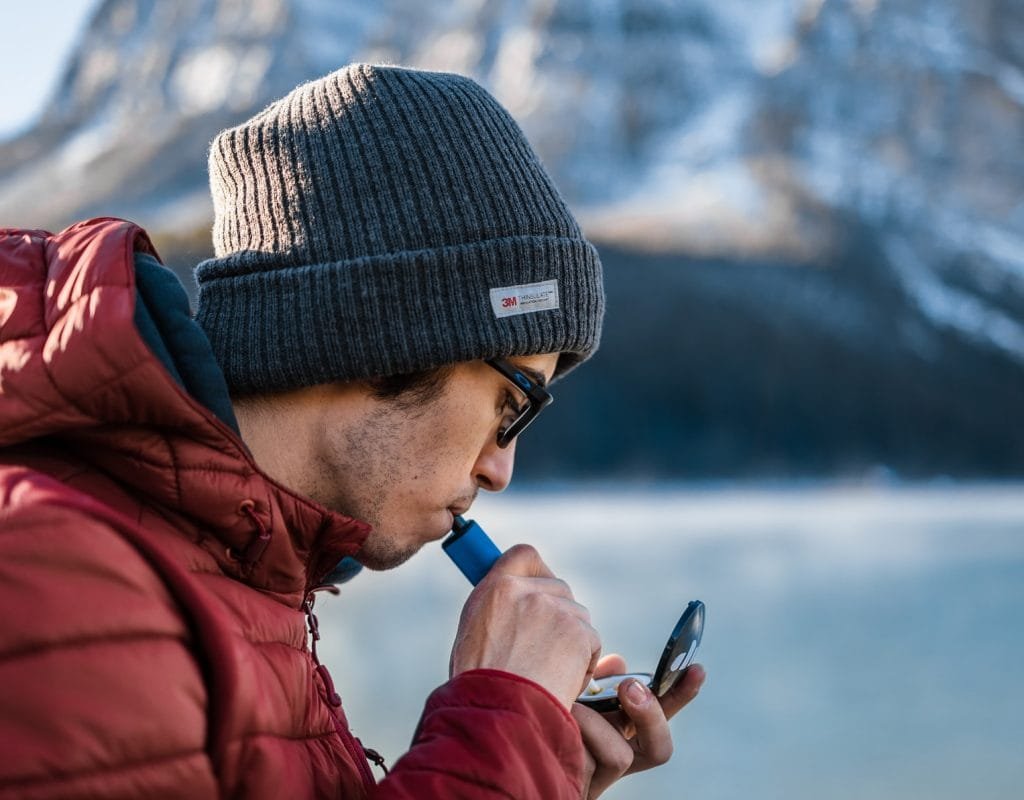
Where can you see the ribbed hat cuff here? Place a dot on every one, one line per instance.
(275, 328)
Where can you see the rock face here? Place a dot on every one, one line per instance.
(840, 179)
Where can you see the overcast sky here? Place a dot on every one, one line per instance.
(38, 38)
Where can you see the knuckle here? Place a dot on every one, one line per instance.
(573, 626)
(504, 587)
(545, 607)
(524, 559)
(537, 603)
(526, 551)
(547, 602)
(661, 752)
(620, 759)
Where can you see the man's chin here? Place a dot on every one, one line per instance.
(381, 551)
(383, 558)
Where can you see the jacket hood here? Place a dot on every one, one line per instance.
(76, 373)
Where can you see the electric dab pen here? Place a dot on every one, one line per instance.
(471, 549)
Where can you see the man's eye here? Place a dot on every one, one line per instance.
(511, 404)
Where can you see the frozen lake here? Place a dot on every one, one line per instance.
(860, 643)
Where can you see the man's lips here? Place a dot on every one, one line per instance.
(462, 504)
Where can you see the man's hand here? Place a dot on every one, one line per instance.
(637, 737)
(522, 619)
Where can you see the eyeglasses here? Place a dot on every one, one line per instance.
(536, 395)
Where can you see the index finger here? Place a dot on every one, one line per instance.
(610, 664)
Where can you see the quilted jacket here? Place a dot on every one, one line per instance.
(154, 583)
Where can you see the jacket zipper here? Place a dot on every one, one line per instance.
(356, 751)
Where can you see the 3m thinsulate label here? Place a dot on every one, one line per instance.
(508, 301)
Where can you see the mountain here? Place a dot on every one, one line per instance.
(811, 213)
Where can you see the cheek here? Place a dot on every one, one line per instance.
(448, 447)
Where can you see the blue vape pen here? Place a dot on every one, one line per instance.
(471, 549)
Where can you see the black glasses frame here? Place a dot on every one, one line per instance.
(536, 395)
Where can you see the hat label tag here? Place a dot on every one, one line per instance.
(508, 301)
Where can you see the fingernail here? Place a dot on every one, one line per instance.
(637, 693)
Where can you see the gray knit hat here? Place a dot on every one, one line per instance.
(381, 221)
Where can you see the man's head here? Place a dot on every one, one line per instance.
(384, 222)
(407, 463)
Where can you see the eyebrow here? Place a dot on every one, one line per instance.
(536, 376)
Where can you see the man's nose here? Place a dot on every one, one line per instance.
(493, 469)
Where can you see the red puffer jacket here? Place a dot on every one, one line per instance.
(152, 582)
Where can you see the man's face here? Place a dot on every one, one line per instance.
(408, 470)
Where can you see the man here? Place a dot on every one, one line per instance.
(396, 280)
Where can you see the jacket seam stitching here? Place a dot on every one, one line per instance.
(218, 572)
(50, 408)
(32, 651)
(297, 738)
(184, 467)
(63, 314)
(530, 719)
(91, 773)
(267, 642)
(45, 243)
(463, 777)
(174, 466)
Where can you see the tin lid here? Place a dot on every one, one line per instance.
(680, 648)
(675, 658)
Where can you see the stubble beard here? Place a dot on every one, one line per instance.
(360, 488)
(381, 553)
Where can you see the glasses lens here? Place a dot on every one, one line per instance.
(536, 398)
(518, 425)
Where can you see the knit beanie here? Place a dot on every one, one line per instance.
(381, 221)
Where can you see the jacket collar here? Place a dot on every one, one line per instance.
(85, 376)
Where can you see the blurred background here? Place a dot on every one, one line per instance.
(805, 408)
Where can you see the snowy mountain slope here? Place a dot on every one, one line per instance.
(735, 132)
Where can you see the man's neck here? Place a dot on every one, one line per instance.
(277, 435)
(286, 433)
